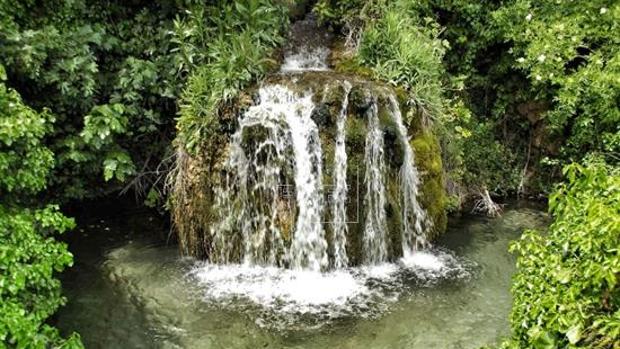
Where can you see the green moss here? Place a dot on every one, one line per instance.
(352, 66)
(393, 215)
(432, 193)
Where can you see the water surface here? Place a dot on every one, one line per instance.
(129, 289)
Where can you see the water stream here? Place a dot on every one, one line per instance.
(375, 226)
(414, 220)
(339, 213)
(129, 289)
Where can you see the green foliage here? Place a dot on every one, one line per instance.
(233, 49)
(29, 255)
(24, 161)
(567, 288)
(405, 52)
(498, 58)
(110, 74)
(571, 54)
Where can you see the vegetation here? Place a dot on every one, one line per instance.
(567, 289)
(29, 255)
(527, 87)
(104, 97)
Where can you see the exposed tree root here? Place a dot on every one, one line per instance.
(485, 205)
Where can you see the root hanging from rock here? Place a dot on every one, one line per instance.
(485, 205)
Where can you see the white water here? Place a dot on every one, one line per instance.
(375, 227)
(249, 201)
(276, 142)
(306, 60)
(364, 291)
(309, 247)
(414, 218)
(339, 196)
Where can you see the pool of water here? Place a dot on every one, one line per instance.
(129, 289)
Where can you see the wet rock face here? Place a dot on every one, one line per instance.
(307, 34)
(360, 99)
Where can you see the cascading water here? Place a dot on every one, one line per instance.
(267, 242)
(306, 60)
(413, 217)
(250, 201)
(339, 196)
(309, 247)
(375, 228)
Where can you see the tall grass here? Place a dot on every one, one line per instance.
(226, 46)
(407, 54)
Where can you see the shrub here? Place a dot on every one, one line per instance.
(29, 255)
(567, 288)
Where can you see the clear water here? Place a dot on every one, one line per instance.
(129, 289)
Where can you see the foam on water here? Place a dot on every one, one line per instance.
(306, 60)
(423, 260)
(431, 266)
(288, 290)
(284, 296)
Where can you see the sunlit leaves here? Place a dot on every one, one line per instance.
(29, 255)
(24, 160)
(567, 289)
(118, 164)
(103, 122)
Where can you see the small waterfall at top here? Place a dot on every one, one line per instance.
(339, 196)
(375, 228)
(413, 217)
(306, 60)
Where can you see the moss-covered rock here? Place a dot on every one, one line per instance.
(432, 190)
(194, 215)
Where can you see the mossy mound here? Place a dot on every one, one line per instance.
(193, 212)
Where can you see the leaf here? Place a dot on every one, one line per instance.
(574, 334)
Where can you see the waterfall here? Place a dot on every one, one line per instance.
(306, 60)
(277, 142)
(274, 136)
(339, 195)
(249, 198)
(375, 226)
(309, 248)
(413, 217)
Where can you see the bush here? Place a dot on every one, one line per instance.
(234, 42)
(29, 255)
(567, 288)
(408, 54)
